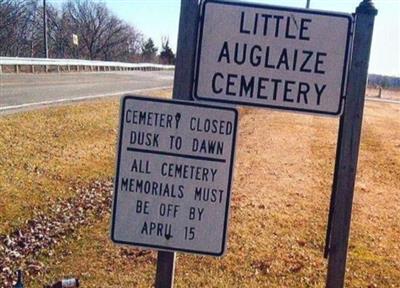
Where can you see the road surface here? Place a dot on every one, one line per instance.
(21, 91)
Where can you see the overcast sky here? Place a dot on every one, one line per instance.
(157, 18)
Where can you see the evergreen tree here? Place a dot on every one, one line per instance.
(149, 50)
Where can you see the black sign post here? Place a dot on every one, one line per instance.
(348, 146)
(183, 85)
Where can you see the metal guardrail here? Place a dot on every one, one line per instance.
(92, 65)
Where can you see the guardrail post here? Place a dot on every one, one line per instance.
(16, 69)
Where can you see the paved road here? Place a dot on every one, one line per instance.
(31, 90)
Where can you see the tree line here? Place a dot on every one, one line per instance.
(386, 82)
(82, 29)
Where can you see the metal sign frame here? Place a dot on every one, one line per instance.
(278, 8)
(229, 161)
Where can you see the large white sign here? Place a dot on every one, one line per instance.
(268, 56)
(174, 175)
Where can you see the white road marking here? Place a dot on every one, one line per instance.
(49, 102)
(383, 100)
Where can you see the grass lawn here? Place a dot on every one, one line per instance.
(280, 199)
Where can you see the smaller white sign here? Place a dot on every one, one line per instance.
(75, 39)
(174, 175)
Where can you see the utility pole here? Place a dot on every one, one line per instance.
(308, 4)
(45, 44)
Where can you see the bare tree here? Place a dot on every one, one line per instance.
(167, 56)
(16, 17)
(101, 34)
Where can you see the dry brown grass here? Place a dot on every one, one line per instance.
(45, 152)
(279, 208)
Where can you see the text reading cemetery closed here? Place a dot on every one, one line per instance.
(174, 175)
(273, 57)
